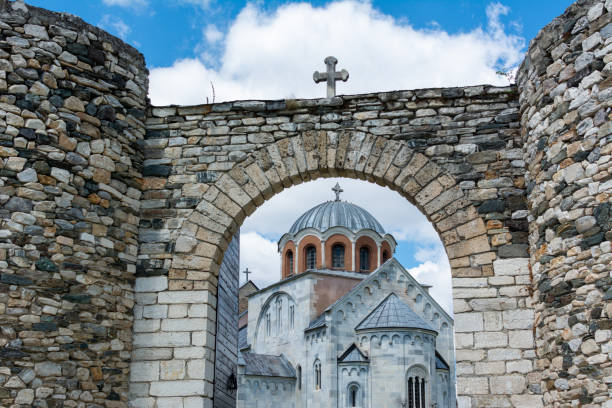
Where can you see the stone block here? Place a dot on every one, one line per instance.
(472, 385)
(172, 370)
(155, 311)
(469, 322)
(144, 371)
(177, 325)
(511, 266)
(170, 402)
(518, 319)
(490, 367)
(520, 366)
(187, 296)
(490, 339)
(530, 401)
(508, 384)
(175, 339)
(503, 354)
(522, 339)
(47, 369)
(184, 388)
(151, 284)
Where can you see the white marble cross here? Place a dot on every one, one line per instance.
(331, 76)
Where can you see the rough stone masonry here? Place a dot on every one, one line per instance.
(115, 215)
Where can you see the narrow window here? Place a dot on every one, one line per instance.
(353, 395)
(299, 377)
(268, 326)
(364, 259)
(417, 393)
(311, 257)
(317, 374)
(279, 315)
(410, 393)
(291, 316)
(289, 263)
(338, 256)
(422, 393)
(385, 256)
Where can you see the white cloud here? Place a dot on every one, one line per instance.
(212, 34)
(115, 25)
(273, 55)
(259, 255)
(400, 218)
(126, 3)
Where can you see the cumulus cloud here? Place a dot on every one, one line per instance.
(212, 34)
(272, 54)
(259, 255)
(260, 232)
(115, 25)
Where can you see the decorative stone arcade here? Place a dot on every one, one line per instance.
(116, 215)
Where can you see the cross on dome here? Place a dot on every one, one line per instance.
(337, 190)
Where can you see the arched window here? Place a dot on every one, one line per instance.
(338, 256)
(416, 388)
(353, 396)
(364, 259)
(385, 256)
(299, 377)
(279, 315)
(317, 375)
(289, 262)
(311, 257)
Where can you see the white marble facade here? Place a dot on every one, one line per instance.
(327, 361)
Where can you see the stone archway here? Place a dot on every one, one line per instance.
(490, 292)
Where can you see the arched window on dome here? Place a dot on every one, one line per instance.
(311, 257)
(364, 259)
(338, 256)
(289, 262)
(385, 256)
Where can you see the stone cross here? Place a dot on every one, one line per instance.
(331, 76)
(247, 272)
(337, 190)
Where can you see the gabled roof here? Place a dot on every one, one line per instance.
(353, 354)
(265, 365)
(393, 313)
(320, 321)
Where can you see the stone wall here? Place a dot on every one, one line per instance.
(72, 109)
(455, 153)
(97, 187)
(565, 93)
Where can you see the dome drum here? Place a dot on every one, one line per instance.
(335, 235)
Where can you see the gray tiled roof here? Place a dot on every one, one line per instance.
(316, 323)
(265, 365)
(337, 214)
(393, 313)
(353, 354)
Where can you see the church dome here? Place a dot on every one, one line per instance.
(337, 214)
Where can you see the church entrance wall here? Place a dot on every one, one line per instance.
(116, 216)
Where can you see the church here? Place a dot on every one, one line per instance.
(346, 325)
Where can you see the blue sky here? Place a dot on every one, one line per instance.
(269, 49)
(167, 30)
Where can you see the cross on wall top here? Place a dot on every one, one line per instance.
(247, 272)
(331, 76)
